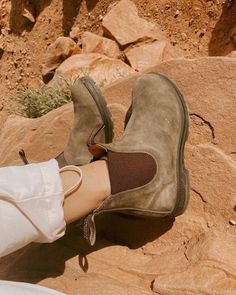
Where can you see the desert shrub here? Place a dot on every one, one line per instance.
(36, 103)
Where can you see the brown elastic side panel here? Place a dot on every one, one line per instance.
(129, 170)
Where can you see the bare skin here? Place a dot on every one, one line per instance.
(93, 190)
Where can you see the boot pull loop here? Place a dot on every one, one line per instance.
(23, 156)
(97, 150)
(94, 133)
(77, 184)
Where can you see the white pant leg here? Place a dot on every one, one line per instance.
(31, 199)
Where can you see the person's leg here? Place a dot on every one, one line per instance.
(94, 188)
(43, 199)
(31, 199)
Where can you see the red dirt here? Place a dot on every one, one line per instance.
(198, 28)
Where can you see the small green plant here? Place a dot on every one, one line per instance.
(36, 103)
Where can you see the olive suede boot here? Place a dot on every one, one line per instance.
(90, 111)
(146, 167)
(91, 116)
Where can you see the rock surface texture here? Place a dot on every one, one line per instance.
(56, 53)
(146, 55)
(124, 25)
(94, 43)
(101, 68)
(193, 254)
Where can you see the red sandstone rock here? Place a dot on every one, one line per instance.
(118, 113)
(148, 55)
(101, 68)
(75, 33)
(211, 268)
(56, 53)
(124, 25)
(94, 43)
(35, 136)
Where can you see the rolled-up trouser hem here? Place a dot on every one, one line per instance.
(31, 199)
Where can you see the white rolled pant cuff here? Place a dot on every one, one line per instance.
(31, 205)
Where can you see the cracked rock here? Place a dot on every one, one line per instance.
(101, 68)
(56, 53)
(94, 43)
(147, 55)
(124, 25)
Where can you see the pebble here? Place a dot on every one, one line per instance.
(4, 31)
(210, 13)
(232, 222)
(27, 14)
(177, 13)
(190, 22)
(183, 36)
(1, 106)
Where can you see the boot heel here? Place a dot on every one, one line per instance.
(184, 194)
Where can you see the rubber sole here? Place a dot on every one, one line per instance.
(101, 105)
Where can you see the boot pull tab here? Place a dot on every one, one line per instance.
(94, 133)
(90, 229)
(97, 150)
(23, 156)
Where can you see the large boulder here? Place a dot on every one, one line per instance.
(101, 68)
(56, 53)
(193, 254)
(147, 55)
(94, 43)
(124, 25)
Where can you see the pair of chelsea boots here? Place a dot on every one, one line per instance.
(146, 167)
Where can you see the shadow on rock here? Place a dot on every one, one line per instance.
(70, 11)
(24, 13)
(91, 4)
(37, 262)
(131, 231)
(222, 41)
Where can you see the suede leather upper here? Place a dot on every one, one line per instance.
(87, 115)
(156, 127)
